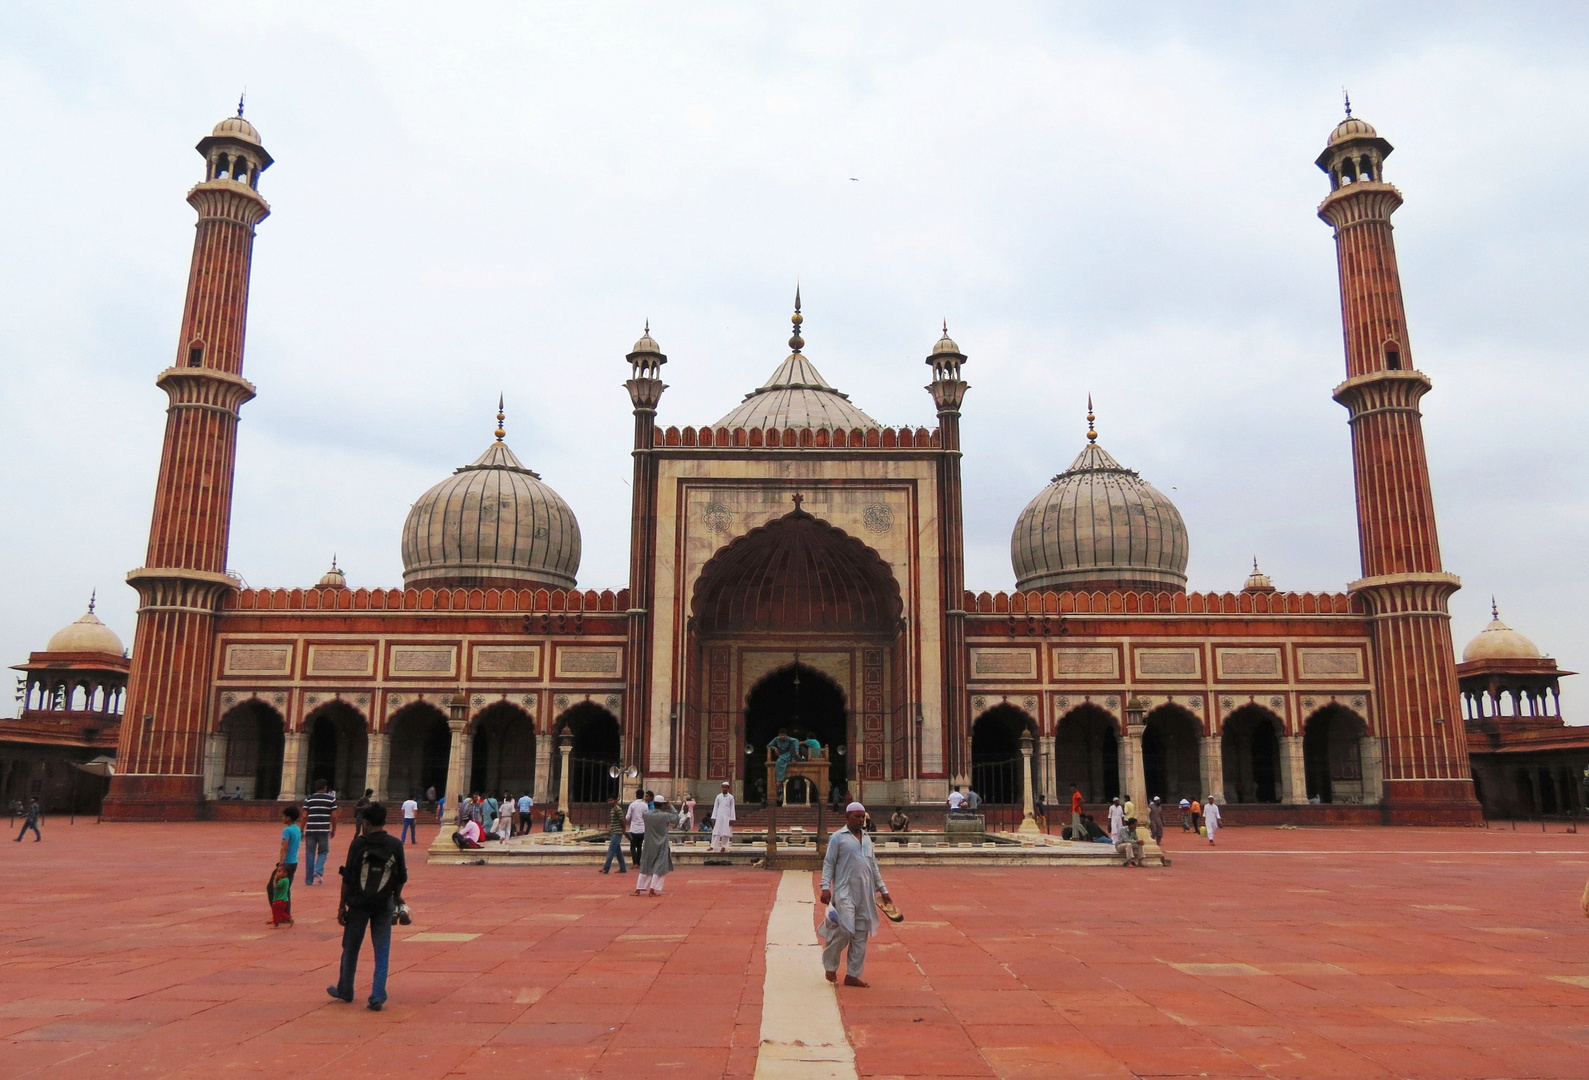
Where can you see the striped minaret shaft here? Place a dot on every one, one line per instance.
(1405, 588)
(948, 391)
(183, 580)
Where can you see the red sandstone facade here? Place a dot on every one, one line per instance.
(800, 564)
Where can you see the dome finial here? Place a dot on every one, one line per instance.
(1495, 612)
(1255, 564)
(92, 596)
(501, 416)
(1348, 99)
(1092, 432)
(797, 342)
(240, 98)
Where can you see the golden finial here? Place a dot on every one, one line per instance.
(1092, 432)
(501, 416)
(797, 342)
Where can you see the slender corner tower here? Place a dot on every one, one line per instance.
(183, 579)
(645, 388)
(948, 390)
(1426, 775)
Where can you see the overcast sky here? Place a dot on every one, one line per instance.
(483, 198)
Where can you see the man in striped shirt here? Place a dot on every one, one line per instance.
(319, 826)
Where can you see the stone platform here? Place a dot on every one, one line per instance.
(589, 847)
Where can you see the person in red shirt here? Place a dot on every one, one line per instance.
(1076, 830)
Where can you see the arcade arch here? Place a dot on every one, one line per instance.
(338, 744)
(1250, 755)
(998, 773)
(1087, 753)
(421, 751)
(596, 751)
(502, 758)
(805, 703)
(255, 743)
(1171, 764)
(1332, 755)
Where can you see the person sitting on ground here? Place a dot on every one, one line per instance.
(469, 836)
(1129, 844)
(899, 821)
(1093, 832)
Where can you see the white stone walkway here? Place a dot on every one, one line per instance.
(802, 1034)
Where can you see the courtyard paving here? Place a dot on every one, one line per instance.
(143, 951)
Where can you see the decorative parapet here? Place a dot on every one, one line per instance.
(802, 438)
(529, 600)
(1162, 603)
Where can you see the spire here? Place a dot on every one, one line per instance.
(797, 342)
(1092, 432)
(1255, 564)
(92, 596)
(501, 416)
(1495, 612)
(1348, 99)
(240, 98)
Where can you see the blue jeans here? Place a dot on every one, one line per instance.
(316, 846)
(615, 848)
(26, 825)
(410, 833)
(380, 924)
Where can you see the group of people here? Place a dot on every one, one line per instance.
(646, 824)
(373, 876)
(963, 800)
(482, 817)
(1123, 823)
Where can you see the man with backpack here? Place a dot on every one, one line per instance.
(372, 892)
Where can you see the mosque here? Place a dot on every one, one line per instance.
(796, 563)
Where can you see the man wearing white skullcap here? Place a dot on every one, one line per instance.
(723, 818)
(851, 882)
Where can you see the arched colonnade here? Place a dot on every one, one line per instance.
(1166, 750)
(254, 754)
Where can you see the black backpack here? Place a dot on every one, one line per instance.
(372, 886)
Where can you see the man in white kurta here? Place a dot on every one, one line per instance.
(851, 883)
(1211, 817)
(723, 819)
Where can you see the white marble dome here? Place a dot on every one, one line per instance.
(492, 524)
(87, 635)
(1098, 525)
(1499, 642)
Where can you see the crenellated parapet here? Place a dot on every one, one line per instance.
(1128, 602)
(526, 600)
(707, 437)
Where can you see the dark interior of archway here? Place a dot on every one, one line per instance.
(796, 574)
(1250, 748)
(813, 708)
(597, 748)
(503, 761)
(337, 746)
(421, 750)
(1170, 764)
(255, 741)
(1087, 754)
(997, 770)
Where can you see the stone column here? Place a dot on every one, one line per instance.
(565, 747)
(457, 767)
(295, 746)
(1133, 784)
(543, 770)
(378, 749)
(1029, 821)
(1212, 765)
(1293, 770)
(215, 765)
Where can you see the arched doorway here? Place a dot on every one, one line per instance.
(998, 772)
(1170, 760)
(1250, 753)
(421, 751)
(595, 753)
(795, 585)
(1087, 754)
(255, 742)
(503, 758)
(1332, 755)
(338, 743)
(806, 704)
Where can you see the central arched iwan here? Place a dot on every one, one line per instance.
(795, 574)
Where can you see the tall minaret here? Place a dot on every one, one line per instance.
(183, 579)
(948, 390)
(645, 387)
(1426, 776)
